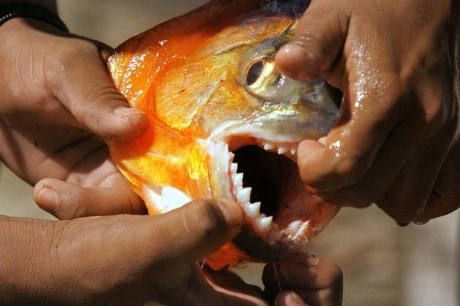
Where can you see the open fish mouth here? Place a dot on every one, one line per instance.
(262, 176)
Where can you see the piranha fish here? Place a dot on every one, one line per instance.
(224, 123)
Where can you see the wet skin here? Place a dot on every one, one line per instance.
(397, 141)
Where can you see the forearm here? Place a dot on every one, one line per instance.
(56, 262)
(25, 270)
(74, 262)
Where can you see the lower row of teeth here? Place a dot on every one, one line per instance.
(262, 223)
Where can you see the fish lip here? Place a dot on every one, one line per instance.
(253, 132)
(278, 239)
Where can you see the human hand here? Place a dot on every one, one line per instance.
(58, 104)
(299, 279)
(397, 141)
(304, 280)
(138, 260)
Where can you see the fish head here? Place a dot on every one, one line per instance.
(224, 123)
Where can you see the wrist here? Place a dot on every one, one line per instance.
(49, 4)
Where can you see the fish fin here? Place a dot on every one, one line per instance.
(228, 255)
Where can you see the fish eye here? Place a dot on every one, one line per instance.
(254, 72)
(262, 80)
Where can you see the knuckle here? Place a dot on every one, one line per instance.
(71, 54)
(102, 90)
(76, 208)
(210, 217)
(65, 59)
(201, 220)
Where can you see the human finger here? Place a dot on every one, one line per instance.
(445, 194)
(79, 79)
(344, 156)
(407, 197)
(135, 259)
(377, 115)
(388, 176)
(233, 289)
(69, 201)
(316, 280)
(316, 44)
(199, 228)
(189, 234)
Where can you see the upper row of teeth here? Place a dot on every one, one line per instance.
(280, 149)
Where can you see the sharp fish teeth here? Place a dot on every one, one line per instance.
(268, 146)
(293, 151)
(244, 195)
(252, 209)
(282, 150)
(264, 224)
(234, 167)
(238, 179)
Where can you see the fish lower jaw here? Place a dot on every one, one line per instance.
(296, 232)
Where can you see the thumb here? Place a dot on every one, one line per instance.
(87, 91)
(316, 44)
(69, 201)
(199, 228)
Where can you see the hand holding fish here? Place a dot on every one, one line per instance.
(56, 96)
(397, 141)
(134, 260)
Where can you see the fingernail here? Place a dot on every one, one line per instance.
(323, 140)
(297, 62)
(421, 222)
(47, 198)
(232, 213)
(303, 151)
(293, 299)
(305, 259)
(403, 223)
(307, 148)
(124, 112)
(312, 260)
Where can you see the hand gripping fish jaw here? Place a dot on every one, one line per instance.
(225, 124)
